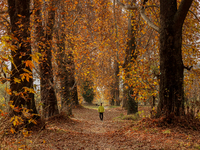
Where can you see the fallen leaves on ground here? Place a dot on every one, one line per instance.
(85, 131)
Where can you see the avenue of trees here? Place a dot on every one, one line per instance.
(128, 52)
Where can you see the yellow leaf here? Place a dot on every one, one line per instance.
(16, 80)
(19, 15)
(32, 120)
(8, 91)
(22, 77)
(25, 75)
(29, 64)
(14, 123)
(12, 119)
(30, 90)
(27, 71)
(12, 130)
(11, 60)
(36, 57)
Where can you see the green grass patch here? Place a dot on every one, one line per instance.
(197, 146)
(110, 107)
(166, 131)
(133, 117)
(91, 107)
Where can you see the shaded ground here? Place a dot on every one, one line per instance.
(86, 131)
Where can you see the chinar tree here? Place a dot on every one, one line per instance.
(44, 39)
(131, 56)
(21, 81)
(171, 62)
(171, 75)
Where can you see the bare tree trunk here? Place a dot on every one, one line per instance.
(171, 63)
(116, 64)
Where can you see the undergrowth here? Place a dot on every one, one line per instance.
(186, 122)
(133, 117)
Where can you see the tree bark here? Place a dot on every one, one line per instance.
(68, 85)
(19, 12)
(171, 64)
(44, 40)
(116, 64)
(116, 85)
(65, 61)
(131, 55)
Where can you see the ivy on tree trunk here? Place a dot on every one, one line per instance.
(19, 12)
(44, 40)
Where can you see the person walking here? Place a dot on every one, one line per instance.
(101, 111)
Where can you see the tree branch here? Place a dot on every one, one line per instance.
(152, 6)
(3, 12)
(142, 13)
(194, 15)
(127, 7)
(148, 21)
(187, 67)
(182, 13)
(148, 40)
(5, 20)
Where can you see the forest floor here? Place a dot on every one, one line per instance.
(85, 131)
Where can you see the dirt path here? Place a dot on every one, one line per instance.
(92, 124)
(85, 131)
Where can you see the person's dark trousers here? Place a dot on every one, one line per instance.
(101, 116)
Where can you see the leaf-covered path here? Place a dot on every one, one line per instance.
(85, 131)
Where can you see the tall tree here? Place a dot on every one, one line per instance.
(44, 37)
(21, 81)
(131, 54)
(116, 62)
(64, 54)
(171, 64)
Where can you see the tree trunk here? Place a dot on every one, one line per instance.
(131, 55)
(73, 87)
(171, 64)
(44, 39)
(124, 99)
(132, 103)
(116, 88)
(153, 103)
(68, 86)
(116, 64)
(65, 60)
(75, 95)
(19, 12)
(64, 74)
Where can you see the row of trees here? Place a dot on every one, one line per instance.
(31, 36)
(171, 26)
(142, 46)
